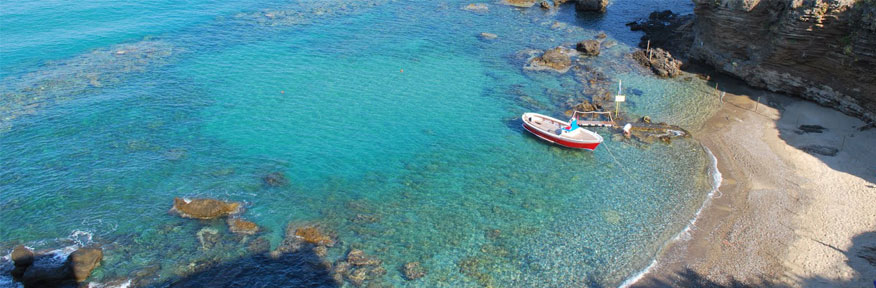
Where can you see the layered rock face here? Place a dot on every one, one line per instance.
(820, 50)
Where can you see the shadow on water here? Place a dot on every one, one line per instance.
(302, 268)
(861, 257)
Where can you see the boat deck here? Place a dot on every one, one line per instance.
(547, 125)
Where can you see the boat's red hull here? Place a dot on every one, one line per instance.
(560, 141)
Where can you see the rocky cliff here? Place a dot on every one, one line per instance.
(823, 50)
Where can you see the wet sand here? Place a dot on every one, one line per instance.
(784, 214)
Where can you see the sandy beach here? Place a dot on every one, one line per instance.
(787, 213)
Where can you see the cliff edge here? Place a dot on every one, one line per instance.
(820, 50)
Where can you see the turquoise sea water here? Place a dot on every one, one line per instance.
(392, 109)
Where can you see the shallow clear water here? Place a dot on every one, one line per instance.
(392, 109)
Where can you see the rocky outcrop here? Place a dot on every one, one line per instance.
(83, 261)
(588, 47)
(22, 258)
(591, 5)
(666, 30)
(519, 3)
(824, 51)
(45, 270)
(660, 62)
(312, 234)
(204, 208)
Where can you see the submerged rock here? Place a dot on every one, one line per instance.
(820, 150)
(75, 78)
(488, 36)
(240, 226)
(259, 245)
(204, 208)
(208, 237)
(358, 257)
(312, 234)
(558, 59)
(588, 47)
(476, 7)
(275, 179)
(413, 271)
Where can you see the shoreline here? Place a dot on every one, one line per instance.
(731, 244)
(716, 184)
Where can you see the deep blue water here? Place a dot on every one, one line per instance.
(393, 109)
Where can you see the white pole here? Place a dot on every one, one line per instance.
(616, 103)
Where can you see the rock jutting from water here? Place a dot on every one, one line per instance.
(660, 62)
(519, 3)
(22, 258)
(588, 47)
(46, 270)
(558, 59)
(314, 235)
(591, 5)
(204, 209)
(83, 261)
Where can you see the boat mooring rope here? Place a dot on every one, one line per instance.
(604, 144)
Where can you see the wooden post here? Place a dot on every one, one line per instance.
(756, 104)
(649, 51)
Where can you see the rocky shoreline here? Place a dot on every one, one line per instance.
(820, 51)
